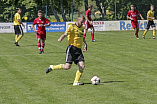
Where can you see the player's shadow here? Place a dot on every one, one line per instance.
(30, 45)
(102, 82)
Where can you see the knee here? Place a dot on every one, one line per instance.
(67, 67)
(81, 67)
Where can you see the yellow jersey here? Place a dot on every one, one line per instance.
(75, 35)
(150, 14)
(16, 17)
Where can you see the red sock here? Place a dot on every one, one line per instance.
(39, 46)
(136, 34)
(92, 36)
(84, 35)
(42, 46)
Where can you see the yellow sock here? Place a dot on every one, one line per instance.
(154, 33)
(77, 77)
(144, 33)
(16, 36)
(60, 66)
(19, 37)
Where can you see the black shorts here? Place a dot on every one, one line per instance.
(73, 54)
(150, 23)
(18, 30)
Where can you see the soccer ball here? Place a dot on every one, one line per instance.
(95, 80)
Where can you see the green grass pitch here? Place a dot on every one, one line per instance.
(126, 66)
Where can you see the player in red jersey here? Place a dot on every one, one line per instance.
(41, 22)
(132, 15)
(88, 23)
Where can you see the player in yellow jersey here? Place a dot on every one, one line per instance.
(150, 22)
(17, 26)
(74, 52)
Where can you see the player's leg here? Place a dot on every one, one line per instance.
(147, 28)
(84, 35)
(68, 60)
(93, 40)
(154, 29)
(86, 29)
(58, 67)
(42, 45)
(16, 34)
(39, 44)
(20, 32)
(136, 32)
(79, 73)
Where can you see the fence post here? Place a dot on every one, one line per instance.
(72, 9)
(46, 11)
(115, 10)
(11, 14)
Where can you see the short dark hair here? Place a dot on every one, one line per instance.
(152, 5)
(80, 16)
(18, 9)
(90, 6)
(39, 11)
(132, 5)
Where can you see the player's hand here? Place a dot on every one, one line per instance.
(90, 23)
(35, 31)
(153, 18)
(59, 40)
(85, 48)
(142, 18)
(131, 18)
(23, 25)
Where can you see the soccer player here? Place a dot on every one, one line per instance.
(150, 22)
(88, 23)
(41, 22)
(17, 26)
(73, 52)
(132, 15)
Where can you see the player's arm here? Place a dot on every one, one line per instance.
(47, 25)
(86, 17)
(128, 16)
(18, 19)
(141, 16)
(62, 37)
(85, 46)
(148, 14)
(34, 28)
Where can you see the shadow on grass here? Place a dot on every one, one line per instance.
(29, 45)
(102, 82)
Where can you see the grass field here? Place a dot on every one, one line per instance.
(127, 68)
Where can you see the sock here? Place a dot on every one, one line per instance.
(77, 77)
(136, 34)
(55, 67)
(42, 46)
(84, 35)
(39, 46)
(154, 33)
(19, 37)
(144, 33)
(92, 36)
(16, 36)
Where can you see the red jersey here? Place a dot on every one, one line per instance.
(40, 24)
(133, 15)
(88, 14)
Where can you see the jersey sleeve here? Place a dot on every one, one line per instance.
(148, 13)
(69, 30)
(18, 16)
(137, 12)
(128, 14)
(46, 21)
(34, 22)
